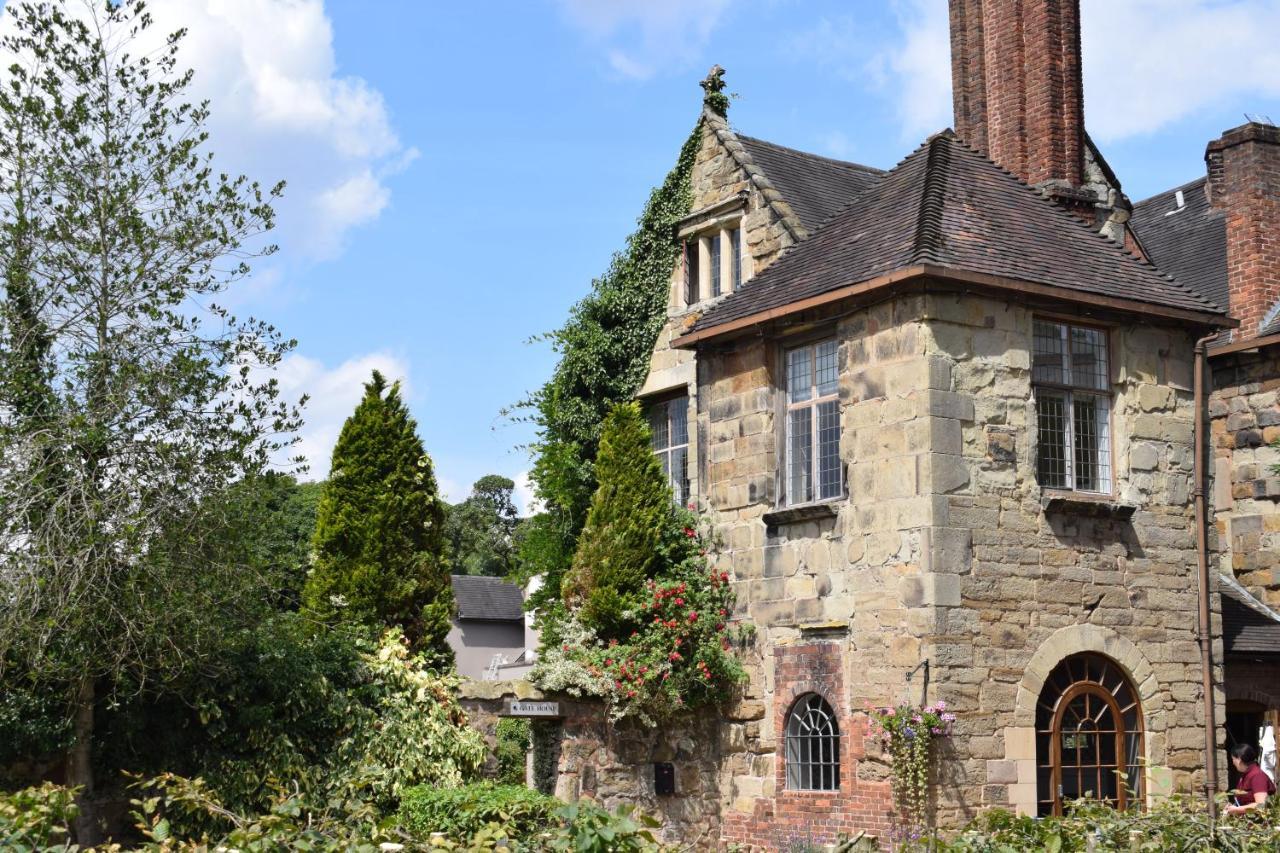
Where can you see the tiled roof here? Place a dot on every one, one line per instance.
(815, 187)
(948, 206)
(491, 599)
(1188, 242)
(1249, 627)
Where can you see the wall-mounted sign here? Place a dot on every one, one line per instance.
(521, 708)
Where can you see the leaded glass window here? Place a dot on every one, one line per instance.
(813, 746)
(735, 248)
(714, 245)
(813, 471)
(1088, 735)
(1070, 374)
(691, 271)
(669, 424)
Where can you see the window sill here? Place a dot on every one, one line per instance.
(1086, 504)
(803, 513)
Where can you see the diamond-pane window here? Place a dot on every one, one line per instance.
(669, 423)
(813, 470)
(813, 746)
(1071, 377)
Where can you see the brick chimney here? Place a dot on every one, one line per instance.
(1244, 182)
(1015, 76)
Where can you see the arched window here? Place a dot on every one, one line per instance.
(1088, 735)
(813, 746)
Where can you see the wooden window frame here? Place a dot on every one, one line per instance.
(1086, 684)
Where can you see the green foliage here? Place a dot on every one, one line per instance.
(279, 520)
(512, 750)
(604, 350)
(37, 818)
(1175, 824)
(674, 649)
(544, 739)
(379, 542)
(591, 829)
(329, 712)
(909, 733)
(461, 812)
(481, 531)
(629, 535)
(33, 722)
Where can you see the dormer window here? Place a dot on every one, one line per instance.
(712, 260)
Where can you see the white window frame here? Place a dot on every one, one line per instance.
(681, 489)
(1068, 392)
(813, 404)
(712, 261)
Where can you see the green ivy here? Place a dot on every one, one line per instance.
(604, 349)
(461, 812)
(512, 749)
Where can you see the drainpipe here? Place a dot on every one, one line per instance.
(1202, 559)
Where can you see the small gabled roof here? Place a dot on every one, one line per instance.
(1249, 627)
(947, 208)
(489, 599)
(1188, 242)
(816, 187)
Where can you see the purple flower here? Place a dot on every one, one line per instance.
(909, 732)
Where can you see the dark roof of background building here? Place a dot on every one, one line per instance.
(1188, 242)
(816, 187)
(948, 205)
(490, 599)
(1249, 627)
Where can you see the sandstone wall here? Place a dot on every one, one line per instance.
(837, 595)
(1246, 490)
(1033, 585)
(613, 764)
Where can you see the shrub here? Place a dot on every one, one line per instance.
(462, 812)
(1173, 824)
(512, 751)
(679, 654)
(37, 818)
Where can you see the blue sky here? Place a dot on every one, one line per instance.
(460, 171)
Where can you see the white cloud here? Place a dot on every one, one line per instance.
(640, 37)
(1147, 63)
(281, 111)
(334, 393)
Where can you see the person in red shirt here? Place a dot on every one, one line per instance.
(1254, 786)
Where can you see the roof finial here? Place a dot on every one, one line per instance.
(715, 99)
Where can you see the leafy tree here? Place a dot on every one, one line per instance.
(482, 530)
(129, 401)
(379, 543)
(604, 348)
(279, 521)
(627, 536)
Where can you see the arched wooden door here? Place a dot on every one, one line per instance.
(1088, 735)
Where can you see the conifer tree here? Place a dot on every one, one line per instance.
(626, 540)
(379, 541)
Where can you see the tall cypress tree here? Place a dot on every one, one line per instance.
(626, 539)
(379, 542)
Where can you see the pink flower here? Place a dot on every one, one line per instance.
(693, 616)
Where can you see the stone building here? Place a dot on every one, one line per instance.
(946, 417)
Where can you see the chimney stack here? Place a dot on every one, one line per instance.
(1244, 183)
(1018, 94)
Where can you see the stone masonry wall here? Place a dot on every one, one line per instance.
(1246, 489)
(1031, 586)
(612, 765)
(843, 590)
